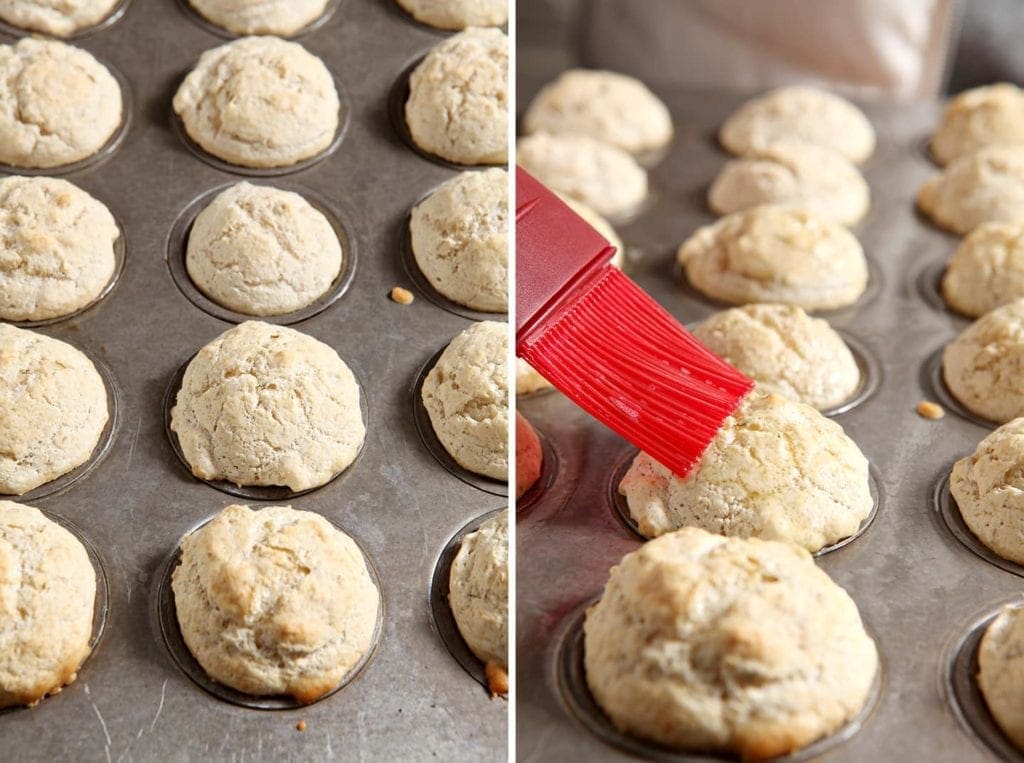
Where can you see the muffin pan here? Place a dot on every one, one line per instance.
(132, 701)
(914, 581)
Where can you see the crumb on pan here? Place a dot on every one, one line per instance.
(497, 678)
(301, 726)
(402, 296)
(930, 410)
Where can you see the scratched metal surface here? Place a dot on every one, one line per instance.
(412, 701)
(917, 586)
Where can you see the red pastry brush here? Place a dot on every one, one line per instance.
(598, 337)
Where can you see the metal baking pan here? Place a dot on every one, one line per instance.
(413, 700)
(917, 584)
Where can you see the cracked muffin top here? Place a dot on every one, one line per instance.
(53, 408)
(262, 251)
(259, 102)
(268, 405)
(58, 104)
(776, 470)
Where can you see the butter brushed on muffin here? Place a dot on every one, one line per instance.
(47, 599)
(275, 601)
(776, 470)
(268, 405)
(721, 645)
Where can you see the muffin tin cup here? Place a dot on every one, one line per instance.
(99, 452)
(620, 507)
(397, 97)
(177, 249)
(344, 119)
(548, 474)
(948, 512)
(167, 620)
(101, 606)
(575, 694)
(112, 18)
(105, 151)
(196, 17)
(934, 383)
(870, 376)
(429, 438)
(441, 616)
(427, 289)
(120, 249)
(959, 685)
(255, 492)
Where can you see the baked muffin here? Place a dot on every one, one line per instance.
(1001, 671)
(992, 115)
(708, 644)
(56, 248)
(986, 186)
(988, 487)
(47, 599)
(987, 269)
(282, 17)
(59, 19)
(776, 254)
(797, 175)
(776, 470)
(53, 409)
(268, 405)
(605, 178)
(459, 237)
(529, 455)
(528, 379)
(259, 102)
(458, 99)
(260, 250)
(465, 395)
(784, 350)
(58, 104)
(478, 595)
(799, 114)
(982, 366)
(457, 14)
(275, 601)
(610, 107)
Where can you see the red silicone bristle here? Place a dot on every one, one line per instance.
(624, 359)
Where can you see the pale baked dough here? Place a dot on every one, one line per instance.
(711, 644)
(262, 251)
(799, 114)
(458, 99)
(784, 350)
(528, 379)
(992, 115)
(466, 396)
(275, 601)
(457, 14)
(60, 18)
(988, 487)
(987, 269)
(984, 365)
(795, 175)
(984, 187)
(776, 470)
(53, 408)
(268, 405)
(47, 597)
(529, 455)
(459, 238)
(610, 107)
(602, 226)
(776, 254)
(283, 17)
(478, 590)
(605, 178)
(259, 102)
(58, 104)
(56, 248)
(1001, 671)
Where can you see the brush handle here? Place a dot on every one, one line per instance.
(557, 254)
